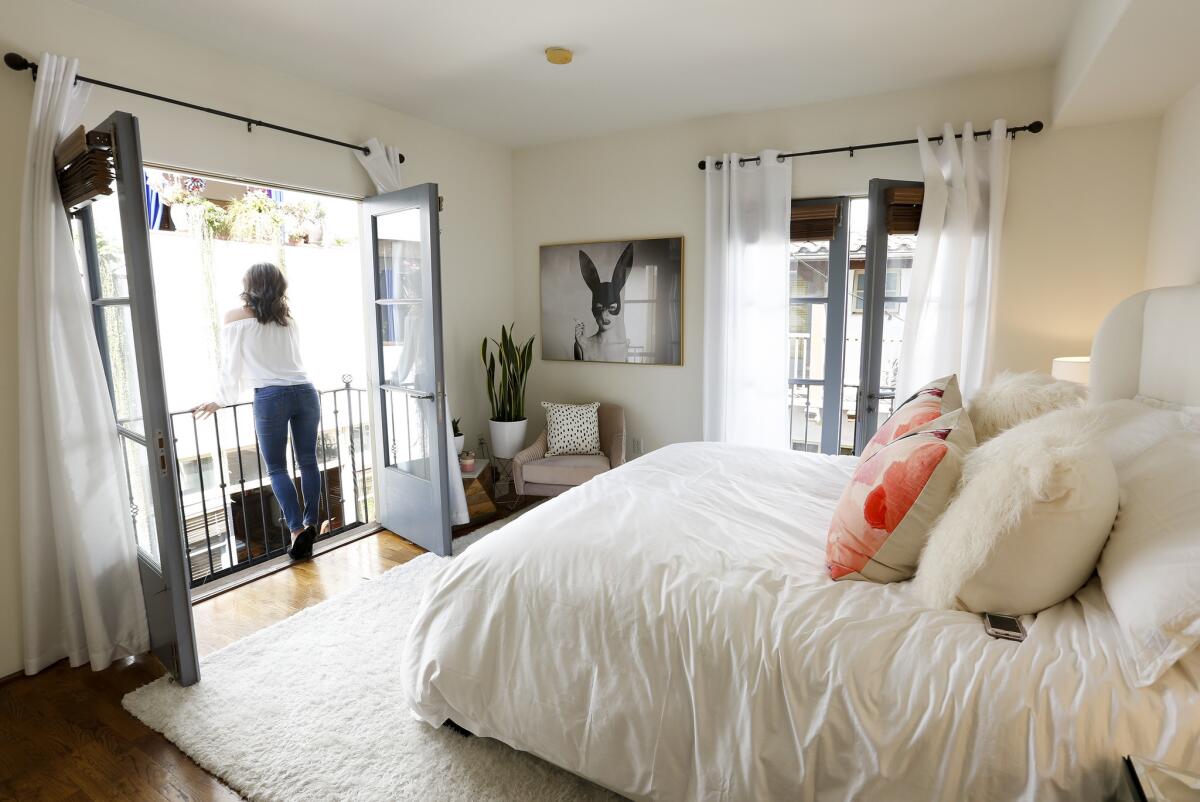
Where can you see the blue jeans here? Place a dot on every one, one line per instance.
(275, 408)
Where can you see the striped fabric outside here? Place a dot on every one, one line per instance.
(154, 207)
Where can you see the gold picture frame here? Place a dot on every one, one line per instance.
(616, 301)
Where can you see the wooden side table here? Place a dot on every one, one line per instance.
(478, 485)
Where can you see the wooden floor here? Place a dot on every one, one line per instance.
(65, 736)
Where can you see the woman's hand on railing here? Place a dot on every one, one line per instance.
(205, 410)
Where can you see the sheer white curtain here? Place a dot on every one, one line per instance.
(746, 300)
(951, 301)
(81, 594)
(383, 166)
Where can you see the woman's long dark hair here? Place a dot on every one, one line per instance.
(264, 292)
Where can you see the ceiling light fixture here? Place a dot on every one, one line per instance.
(559, 55)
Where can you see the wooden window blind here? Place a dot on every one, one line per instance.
(83, 164)
(903, 209)
(814, 221)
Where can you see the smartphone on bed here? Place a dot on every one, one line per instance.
(1003, 626)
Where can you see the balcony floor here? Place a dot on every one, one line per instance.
(64, 734)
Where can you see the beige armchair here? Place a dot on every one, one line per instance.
(535, 474)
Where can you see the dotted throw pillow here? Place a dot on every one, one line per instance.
(572, 428)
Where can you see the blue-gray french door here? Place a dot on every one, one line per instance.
(408, 389)
(885, 303)
(121, 285)
(816, 328)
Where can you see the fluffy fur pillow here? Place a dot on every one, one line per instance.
(1015, 397)
(1034, 509)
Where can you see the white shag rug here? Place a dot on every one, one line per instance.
(311, 709)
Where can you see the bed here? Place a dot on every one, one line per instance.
(668, 630)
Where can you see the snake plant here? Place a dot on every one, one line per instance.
(506, 375)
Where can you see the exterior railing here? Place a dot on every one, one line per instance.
(805, 414)
(231, 518)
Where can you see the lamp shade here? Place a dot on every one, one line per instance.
(1071, 368)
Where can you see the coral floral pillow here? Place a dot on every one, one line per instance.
(885, 514)
(931, 401)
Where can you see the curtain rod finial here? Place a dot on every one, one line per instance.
(1036, 127)
(15, 61)
(701, 164)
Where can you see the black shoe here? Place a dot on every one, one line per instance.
(302, 546)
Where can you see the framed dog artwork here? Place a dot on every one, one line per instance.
(613, 301)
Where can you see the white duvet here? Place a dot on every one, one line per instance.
(668, 630)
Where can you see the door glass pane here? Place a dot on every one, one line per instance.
(901, 248)
(106, 214)
(806, 339)
(849, 419)
(80, 253)
(408, 425)
(398, 249)
(809, 268)
(401, 338)
(119, 350)
(808, 281)
(141, 502)
(852, 348)
(805, 402)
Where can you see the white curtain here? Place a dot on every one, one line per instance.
(951, 301)
(383, 166)
(80, 590)
(746, 300)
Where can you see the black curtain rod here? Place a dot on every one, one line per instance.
(1034, 127)
(19, 63)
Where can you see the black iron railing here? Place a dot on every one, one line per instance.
(805, 416)
(231, 518)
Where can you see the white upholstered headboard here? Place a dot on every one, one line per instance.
(1150, 345)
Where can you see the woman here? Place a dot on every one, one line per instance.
(261, 348)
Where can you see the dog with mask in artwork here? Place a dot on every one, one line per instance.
(609, 343)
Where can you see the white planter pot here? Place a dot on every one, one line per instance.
(508, 437)
(460, 442)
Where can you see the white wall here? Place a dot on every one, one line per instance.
(474, 177)
(1074, 242)
(1172, 256)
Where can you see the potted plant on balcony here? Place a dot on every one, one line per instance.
(507, 371)
(460, 439)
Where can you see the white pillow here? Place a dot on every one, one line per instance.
(1011, 398)
(1132, 427)
(1034, 509)
(572, 428)
(1150, 569)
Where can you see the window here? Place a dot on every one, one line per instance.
(190, 470)
(850, 263)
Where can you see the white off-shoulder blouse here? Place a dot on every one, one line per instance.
(257, 355)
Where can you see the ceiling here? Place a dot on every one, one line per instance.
(1127, 59)
(477, 65)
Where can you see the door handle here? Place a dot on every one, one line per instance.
(408, 391)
